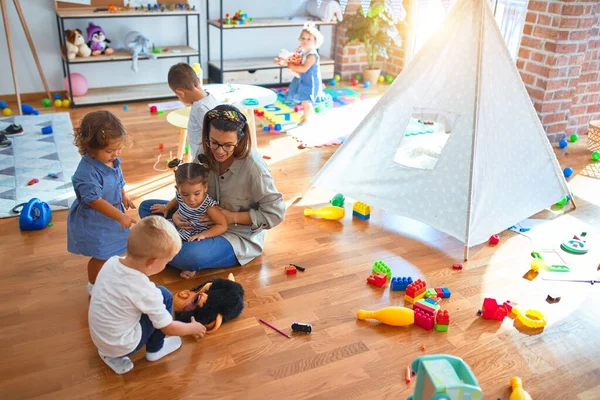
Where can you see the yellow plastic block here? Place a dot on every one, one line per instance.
(362, 208)
(414, 299)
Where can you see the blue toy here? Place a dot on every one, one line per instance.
(568, 172)
(28, 110)
(267, 128)
(35, 215)
(563, 143)
(57, 96)
(125, 107)
(3, 105)
(333, 82)
(447, 293)
(277, 127)
(250, 102)
(400, 283)
(46, 130)
(367, 84)
(440, 376)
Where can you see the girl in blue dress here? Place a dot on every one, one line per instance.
(97, 225)
(307, 89)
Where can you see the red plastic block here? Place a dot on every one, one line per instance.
(290, 270)
(423, 319)
(457, 266)
(424, 308)
(416, 288)
(442, 318)
(439, 293)
(377, 279)
(491, 310)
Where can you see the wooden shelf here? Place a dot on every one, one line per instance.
(124, 93)
(89, 13)
(271, 23)
(124, 55)
(245, 64)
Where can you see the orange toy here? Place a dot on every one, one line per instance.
(394, 316)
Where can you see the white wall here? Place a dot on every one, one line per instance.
(165, 31)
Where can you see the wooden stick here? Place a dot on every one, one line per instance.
(274, 328)
(32, 47)
(10, 53)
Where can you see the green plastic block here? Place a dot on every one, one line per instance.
(441, 328)
(382, 268)
(430, 293)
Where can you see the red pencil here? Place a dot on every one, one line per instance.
(275, 329)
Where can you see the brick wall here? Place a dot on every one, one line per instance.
(395, 63)
(559, 62)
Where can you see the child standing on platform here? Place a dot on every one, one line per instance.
(308, 88)
(97, 225)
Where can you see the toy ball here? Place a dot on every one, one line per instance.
(389, 79)
(262, 124)
(66, 103)
(3, 104)
(354, 82)
(358, 77)
(57, 96)
(125, 108)
(366, 84)
(563, 201)
(380, 79)
(46, 102)
(563, 143)
(596, 155)
(574, 137)
(568, 172)
(79, 84)
(153, 109)
(333, 82)
(337, 77)
(277, 127)
(7, 112)
(266, 128)
(317, 109)
(58, 103)
(494, 239)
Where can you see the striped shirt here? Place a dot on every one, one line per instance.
(193, 216)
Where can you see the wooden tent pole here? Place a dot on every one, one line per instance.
(32, 47)
(10, 53)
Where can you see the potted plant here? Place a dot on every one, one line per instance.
(377, 31)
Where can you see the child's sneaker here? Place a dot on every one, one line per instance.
(121, 365)
(13, 129)
(4, 142)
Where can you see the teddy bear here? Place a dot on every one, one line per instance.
(76, 45)
(211, 303)
(138, 45)
(286, 58)
(97, 40)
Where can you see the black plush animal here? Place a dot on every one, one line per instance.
(211, 303)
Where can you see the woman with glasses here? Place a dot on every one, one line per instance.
(240, 181)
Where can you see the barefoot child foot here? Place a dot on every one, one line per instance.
(187, 274)
(170, 344)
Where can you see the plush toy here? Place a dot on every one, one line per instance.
(326, 10)
(138, 44)
(212, 303)
(287, 58)
(76, 45)
(97, 40)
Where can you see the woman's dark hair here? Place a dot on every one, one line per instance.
(191, 172)
(226, 118)
(97, 129)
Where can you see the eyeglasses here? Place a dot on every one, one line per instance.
(227, 147)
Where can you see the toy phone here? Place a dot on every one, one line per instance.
(35, 215)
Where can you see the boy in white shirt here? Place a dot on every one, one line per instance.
(127, 310)
(185, 83)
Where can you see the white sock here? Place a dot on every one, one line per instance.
(121, 365)
(90, 288)
(171, 344)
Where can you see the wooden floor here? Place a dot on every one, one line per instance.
(47, 352)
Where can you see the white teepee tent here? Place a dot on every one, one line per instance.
(497, 167)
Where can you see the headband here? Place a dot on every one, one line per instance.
(312, 29)
(234, 116)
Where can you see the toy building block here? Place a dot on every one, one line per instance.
(415, 291)
(400, 283)
(426, 306)
(446, 293)
(430, 301)
(361, 210)
(424, 320)
(439, 293)
(491, 310)
(379, 267)
(290, 270)
(430, 293)
(442, 320)
(377, 279)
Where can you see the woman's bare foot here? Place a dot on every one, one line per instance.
(187, 274)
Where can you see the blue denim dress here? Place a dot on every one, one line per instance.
(309, 86)
(90, 233)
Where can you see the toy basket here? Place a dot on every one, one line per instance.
(594, 136)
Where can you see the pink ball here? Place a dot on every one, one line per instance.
(78, 83)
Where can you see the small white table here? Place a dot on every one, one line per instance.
(225, 93)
